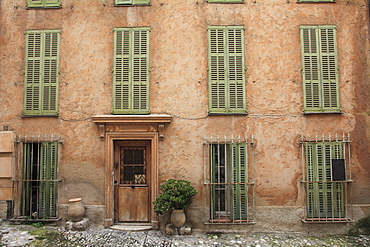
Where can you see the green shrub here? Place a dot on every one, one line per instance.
(174, 194)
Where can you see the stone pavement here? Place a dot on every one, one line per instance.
(27, 235)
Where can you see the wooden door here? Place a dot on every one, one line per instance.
(131, 181)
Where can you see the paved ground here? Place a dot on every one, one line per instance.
(27, 235)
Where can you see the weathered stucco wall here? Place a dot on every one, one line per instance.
(178, 86)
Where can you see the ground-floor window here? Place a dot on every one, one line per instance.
(326, 180)
(228, 182)
(39, 180)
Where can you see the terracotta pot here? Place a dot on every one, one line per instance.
(178, 217)
(76, 210)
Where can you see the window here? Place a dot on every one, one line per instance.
(42, 71)
(225, 1)
(325, 180)
(131, 71)
(320, 69)
(43, 3)
(228, 183)
(39, 180)
(132, 2)
(226, 70)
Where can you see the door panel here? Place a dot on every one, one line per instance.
(131, 173)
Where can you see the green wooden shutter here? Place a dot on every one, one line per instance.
(236, 78)
(320, 69)
(217, 70)
(26, 177)
(329, 67)
(226, 73)
(238, 171)
(131, 71)
(33, 80)
(42, 71)
(43, 3)
(324, 200)
(48, 177)
(132, 2)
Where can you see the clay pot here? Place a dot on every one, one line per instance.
(76, 210)
(178, 217)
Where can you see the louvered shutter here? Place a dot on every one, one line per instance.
(43, 3)
(33, 80)
(123, 1)
(26, 176)
(239, 176)
(42, 71)
(329, 67)
(226, 70)
(217, 70)
(324, 200)
(320, 69)
(235, 59)
(131, 71)
(48, 176)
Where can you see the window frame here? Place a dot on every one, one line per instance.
(46, 180)
(44, 4)
(320, 70)
(226, 70)
(130, 83)
(237, 209)
(41, 83)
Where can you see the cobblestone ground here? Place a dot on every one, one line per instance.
(22, 235)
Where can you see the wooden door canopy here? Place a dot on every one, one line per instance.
(131, 123)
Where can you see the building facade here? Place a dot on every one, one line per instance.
(261, 104)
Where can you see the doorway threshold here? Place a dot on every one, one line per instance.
(131, 226)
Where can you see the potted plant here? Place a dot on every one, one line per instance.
(174, 195)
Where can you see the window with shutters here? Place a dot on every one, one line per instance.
(42, 72)
(43, 3)
(320, 69)
(131, 2)
(39, 180)
(327, 179)
(226, 69)
(131, 71)
(229, 183)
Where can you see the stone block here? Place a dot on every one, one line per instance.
(6, 167)
(173, 230)
(81, 225)
(6, 142)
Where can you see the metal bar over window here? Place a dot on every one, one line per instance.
(327, 177)
(229, 183)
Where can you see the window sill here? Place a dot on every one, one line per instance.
(227, 114)
(50, 7)
(131, 5)
(322, 112)
(229, 222)
(31, 116)
(326, 220)
(25, 219)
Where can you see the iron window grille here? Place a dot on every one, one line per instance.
(327, 178)
(229, 180)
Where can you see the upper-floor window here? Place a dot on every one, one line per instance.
(226, 69)
(41, 72)
(132, 2)
(320, 69)
(131, 71)
(43, 3)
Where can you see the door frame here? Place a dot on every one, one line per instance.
(111, 137)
